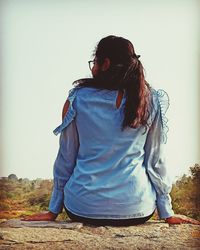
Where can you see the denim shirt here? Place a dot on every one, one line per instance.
(103, 172)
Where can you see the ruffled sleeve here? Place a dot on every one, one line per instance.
(71, 112)
(163, 100)
(154, 160)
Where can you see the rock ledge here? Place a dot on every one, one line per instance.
(16, 234)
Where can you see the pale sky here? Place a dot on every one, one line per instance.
(45, 46)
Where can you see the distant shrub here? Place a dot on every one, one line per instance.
(41, 195)
(5, 195)
(4, 206)
(42, 200)
(12, 177)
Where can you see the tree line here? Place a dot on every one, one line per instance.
(19, 197)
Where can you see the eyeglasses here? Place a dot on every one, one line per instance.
(91, 64)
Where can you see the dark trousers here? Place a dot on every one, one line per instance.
(108, 222)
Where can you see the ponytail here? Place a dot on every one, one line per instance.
(137, 95)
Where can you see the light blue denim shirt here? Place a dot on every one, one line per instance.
(103, 172)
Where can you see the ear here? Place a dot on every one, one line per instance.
(106, 64)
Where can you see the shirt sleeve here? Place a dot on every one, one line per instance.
(66, 157)
(155, 159)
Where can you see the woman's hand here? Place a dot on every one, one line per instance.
(46, 216)
(179, 219)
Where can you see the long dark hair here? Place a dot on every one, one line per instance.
(125, 73)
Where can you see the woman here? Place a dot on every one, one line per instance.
(110, 168)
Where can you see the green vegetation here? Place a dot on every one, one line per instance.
(186, 194)
(21, 197)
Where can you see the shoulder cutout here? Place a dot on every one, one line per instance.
(119, 98)
(68, 113)
(65, 108)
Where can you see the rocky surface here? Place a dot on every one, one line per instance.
(15, 234)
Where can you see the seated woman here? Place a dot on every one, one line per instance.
(110, 167)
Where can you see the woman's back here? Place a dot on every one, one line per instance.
(109, 178)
